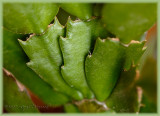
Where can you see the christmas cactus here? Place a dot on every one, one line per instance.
(79, 57)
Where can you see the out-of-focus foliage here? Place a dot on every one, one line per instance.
(124, 97)
(81, 10)
(148, 73)
(71, 108)
(28, 17)
(15, 100)
(129, 21)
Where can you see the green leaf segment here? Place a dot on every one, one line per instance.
(28, 17)
(75, 47)
(103, 67)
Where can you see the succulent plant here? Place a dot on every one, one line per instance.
(79, 57)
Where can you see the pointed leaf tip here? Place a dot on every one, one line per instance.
(56, 22)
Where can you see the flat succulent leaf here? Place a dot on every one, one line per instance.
(45, 58)
(133, 53)
(15, 61)
(75, 47)
(124, 97)
(129, 21)
(71, 108)
(104, 66)
(81, 10)
(28, 17)
(15, 100)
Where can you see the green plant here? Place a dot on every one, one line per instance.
(84, 57)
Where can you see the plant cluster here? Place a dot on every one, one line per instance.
(85, 57)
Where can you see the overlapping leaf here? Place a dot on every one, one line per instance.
(80, 36)
(45, 55)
